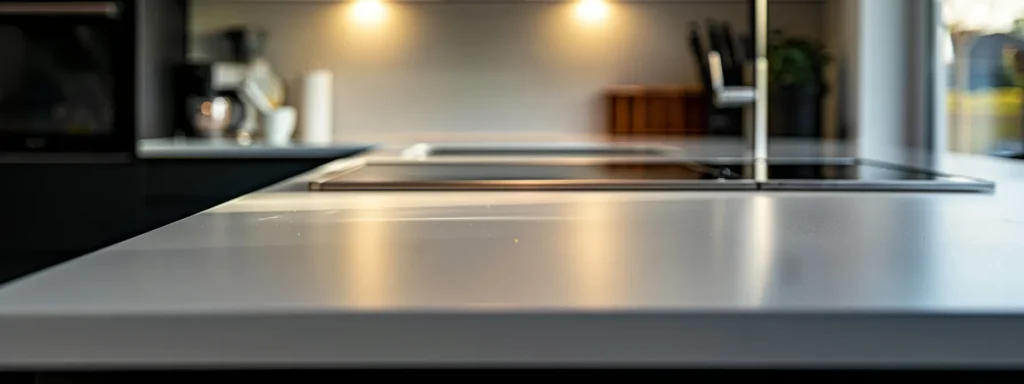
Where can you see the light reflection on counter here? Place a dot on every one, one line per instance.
(596, 253)
(367, 256)
(760, 252)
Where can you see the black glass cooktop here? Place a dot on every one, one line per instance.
(846, 172)
(864, 175)
(725, 174)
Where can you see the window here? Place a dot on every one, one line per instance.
(985, 86)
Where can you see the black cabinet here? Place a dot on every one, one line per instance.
(51, 213)
(174, 189)
(67, 207)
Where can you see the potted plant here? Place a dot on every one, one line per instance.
(796, 68)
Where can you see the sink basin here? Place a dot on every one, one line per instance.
(537, 150)
(629, 173)
(553, 174)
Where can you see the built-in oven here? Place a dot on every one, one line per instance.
(71, 74)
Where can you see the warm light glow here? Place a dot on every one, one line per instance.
(368, 11)
(760, 255)
(598, 271)
(592, 10)
(367, 257)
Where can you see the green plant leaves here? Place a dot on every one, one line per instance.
(796, 60)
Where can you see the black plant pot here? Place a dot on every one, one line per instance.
(795, 111)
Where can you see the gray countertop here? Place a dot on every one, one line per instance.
(199, 148)
(288, 278)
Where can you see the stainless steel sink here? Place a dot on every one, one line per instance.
(664, 173)
(535, 150)
(574, 174)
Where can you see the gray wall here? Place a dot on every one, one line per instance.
(487, 66)
(885, 66)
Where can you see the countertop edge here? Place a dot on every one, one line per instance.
(741, 339)
(169, 149)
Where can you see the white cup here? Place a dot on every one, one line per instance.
(279, 125)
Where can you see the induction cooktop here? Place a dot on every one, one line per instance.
(863, 175)
(665, 174)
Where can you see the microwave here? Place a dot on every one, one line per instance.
(87, 76)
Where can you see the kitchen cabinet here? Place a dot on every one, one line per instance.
(67, 207)
(174, 189)
(56, 212)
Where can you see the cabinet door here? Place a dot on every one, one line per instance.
(67, 207)
(216, 179)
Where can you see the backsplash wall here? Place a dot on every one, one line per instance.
(439, 67)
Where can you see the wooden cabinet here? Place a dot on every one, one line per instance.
(662, 111)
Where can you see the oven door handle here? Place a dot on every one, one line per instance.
(86, 8)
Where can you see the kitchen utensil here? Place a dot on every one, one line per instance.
(700, 54)
(254, 94)
(279, 125)
(730, 44)
(719, 44)
(269, 83)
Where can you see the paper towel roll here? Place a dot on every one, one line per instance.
(316, 109)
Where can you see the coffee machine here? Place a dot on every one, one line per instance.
(224, 98)
(212, 103)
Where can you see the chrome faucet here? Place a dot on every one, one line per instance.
(741, 96)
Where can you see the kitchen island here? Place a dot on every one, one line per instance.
(286, 278)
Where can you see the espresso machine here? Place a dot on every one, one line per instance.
(225, 98)
(212, 103)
